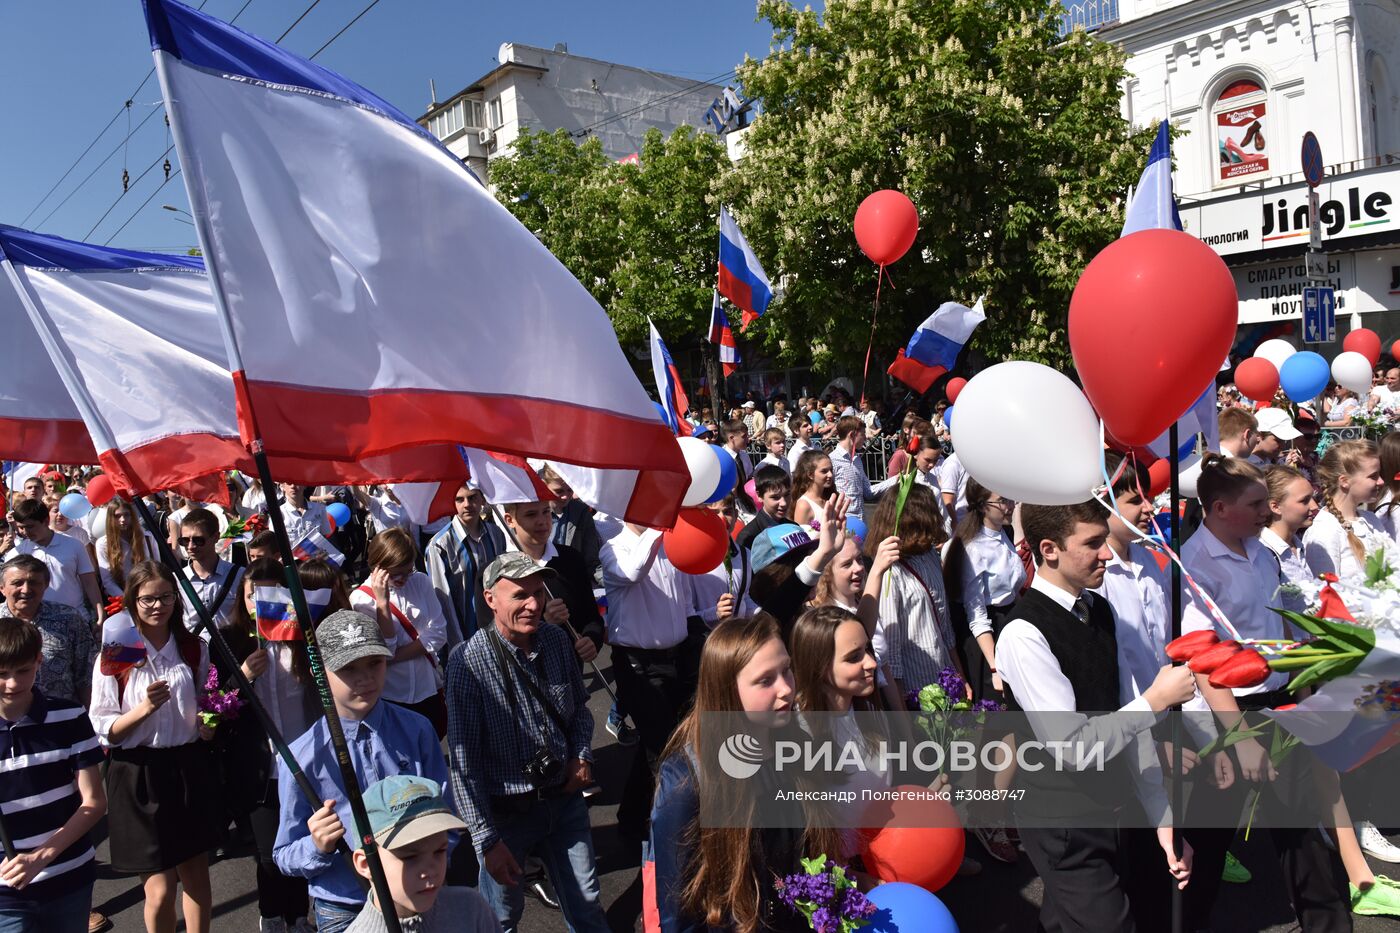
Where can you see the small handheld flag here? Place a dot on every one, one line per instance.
(722, 336)
(122, 646)
(277, 620)
(314, 544)
(741, 277)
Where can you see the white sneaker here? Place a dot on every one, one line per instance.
(1376, 845)
(272, 925)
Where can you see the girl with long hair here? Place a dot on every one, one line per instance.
(124, 544)
(1294, 506)
(813, 482)
(722, 878)
(851, 583)
(914, 635)
(1390, 477)
(985, 575)
(160, 778)
(1344, 533)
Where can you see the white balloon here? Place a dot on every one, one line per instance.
(1276, 351)
(1029, 433)
(1189, 476)
(1353, 371)
(704, 470)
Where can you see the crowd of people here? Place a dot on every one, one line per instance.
(458, 654)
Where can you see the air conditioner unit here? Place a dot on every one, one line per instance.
(486, 137)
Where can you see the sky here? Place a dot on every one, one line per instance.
(68, 68)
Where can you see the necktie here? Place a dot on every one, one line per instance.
(1081, 609)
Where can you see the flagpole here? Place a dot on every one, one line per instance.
(1177, 788)
(225, 653)
(212, 262)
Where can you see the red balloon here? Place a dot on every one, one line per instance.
(331, 518)
(100, 490)
(918, 841)
(1395, 349)
(1159, 476)
(1172, 299)
(886, 224)
(1365, 341)
(954, 388)
(1257, 379)
(698, 541)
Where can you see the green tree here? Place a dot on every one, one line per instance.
(1007, 138)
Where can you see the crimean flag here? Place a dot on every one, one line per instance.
(277, 619)
(722, 336)
(372, 246)
(741, 276)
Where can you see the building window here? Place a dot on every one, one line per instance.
(453, 119)
(1241, 131)
(493, 113)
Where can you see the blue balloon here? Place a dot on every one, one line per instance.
(340, 512)
(728, 475)
(901, 907)
(948, 417)
(74, 506)
(1304, 375)
(856, 527)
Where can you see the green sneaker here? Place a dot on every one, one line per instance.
(1381, 899)
(1234, 871)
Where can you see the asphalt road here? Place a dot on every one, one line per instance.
(1003, 899)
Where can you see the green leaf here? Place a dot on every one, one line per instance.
(814, 866)
(1324, 671)
(1351, 636)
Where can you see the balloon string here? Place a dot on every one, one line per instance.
(865, 373)
(1104, 495)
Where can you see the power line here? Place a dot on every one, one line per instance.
(108, 241)
(115, 149)
(137, 181)
(664, 99)
(372, 5)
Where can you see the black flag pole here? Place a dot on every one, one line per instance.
(1177, 788)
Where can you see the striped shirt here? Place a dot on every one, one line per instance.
(40, 756)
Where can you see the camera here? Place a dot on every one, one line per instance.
(542, 770)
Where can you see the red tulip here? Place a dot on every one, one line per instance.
(1182, 648)
(1247, 668)
(1208, 660)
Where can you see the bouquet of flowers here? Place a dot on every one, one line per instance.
(241, 530)
(1375, 423)
(216, 705)
(948, 714)
(824, 895)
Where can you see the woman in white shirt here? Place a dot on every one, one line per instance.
(123, 545)
(1344, 534)
(160, 779)
(813, 482)
(986, 575)
(411, 621)
(1341, 406)
(1294, 506)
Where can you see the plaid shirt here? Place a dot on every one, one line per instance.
(69, 649)
(488, 741)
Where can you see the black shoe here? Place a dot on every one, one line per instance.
(540, 889)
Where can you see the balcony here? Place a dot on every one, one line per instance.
(1088, 15)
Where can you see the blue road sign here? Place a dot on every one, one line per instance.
(1312, 160)
(1319, 315)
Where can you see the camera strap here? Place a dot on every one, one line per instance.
(501, 657)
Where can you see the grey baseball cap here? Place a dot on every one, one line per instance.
(512, 565)
(346, 635)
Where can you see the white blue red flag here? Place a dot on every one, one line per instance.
(722, 336)
(741, 276)
(674, 404)
(324, 212)
(122, 645)
(277, 618)
(313, 545)
(934, 348)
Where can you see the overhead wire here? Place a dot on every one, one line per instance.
(656, 102)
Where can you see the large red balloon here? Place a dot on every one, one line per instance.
(1159, 476)
(1365, 341)
(886, 224)
(100, 490)
(918, 841)
(1150, 322)
(1395, 349)
(698, 541)
(1257, 379)
(954, 388)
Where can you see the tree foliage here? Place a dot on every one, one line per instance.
(1006, 137)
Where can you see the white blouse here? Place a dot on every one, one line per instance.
(293, 705)
(1327, 549)
(992, 575)
(110, 586)
(173, 724)
(413, 680)
(1296, 571)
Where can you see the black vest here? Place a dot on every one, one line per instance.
(1088, 657)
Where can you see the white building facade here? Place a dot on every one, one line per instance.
(1244, 80)
(544, 90)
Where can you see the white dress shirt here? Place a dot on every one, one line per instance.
(1244, 588)
(1033, 673)
(777, 461)
(992, 575)
(300, 522)
(799, 447)
(173, 724)
(254, 500)
(1389, 518)
(66, 559)
(707, 588)
(387, 513)
(292, 704)
(1295, 571)
(412, 680)
(1385, 399)
(952, 478)
(1327, 550)
(647, 596)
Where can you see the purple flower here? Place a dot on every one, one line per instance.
(855, 905)
(988, 706)
(911, 700)
(823, 921)
(952, 683)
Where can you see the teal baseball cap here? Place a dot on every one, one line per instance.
(405, 808)
(787, 542)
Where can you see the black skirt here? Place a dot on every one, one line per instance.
(979, 673)
(162, 806)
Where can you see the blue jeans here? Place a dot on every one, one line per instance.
(333, 916)
(65, 914)
(557, 831)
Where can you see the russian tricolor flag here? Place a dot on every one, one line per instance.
(314, 545)
(934, 348)
(741, 278)
(277, 620)
(722, 336)
(674, 404)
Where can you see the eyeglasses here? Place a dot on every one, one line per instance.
(1004, 503)
(192, 541)
(151, 602)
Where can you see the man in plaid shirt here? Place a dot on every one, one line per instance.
(519, 742)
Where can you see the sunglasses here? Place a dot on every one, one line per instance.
(192, 541)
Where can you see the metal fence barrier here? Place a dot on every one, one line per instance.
(874, 456)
